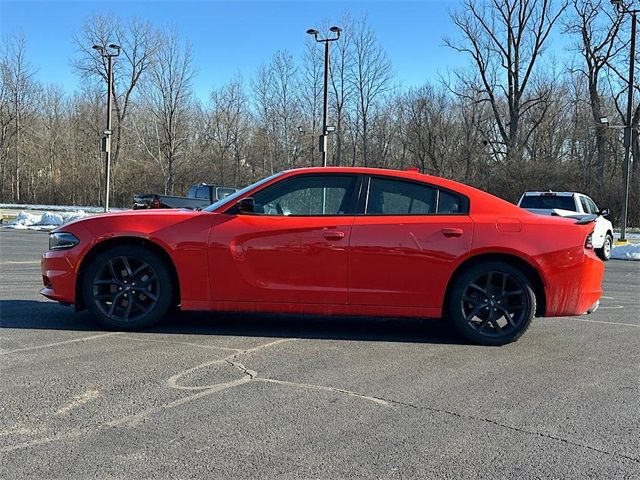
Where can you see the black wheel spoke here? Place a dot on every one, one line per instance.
(501, 295)
(488, 288)
(127, 267)
(114, 294)
(472, 301)
(473, 313)
(478, 287)
(507, 315)
(510, 294)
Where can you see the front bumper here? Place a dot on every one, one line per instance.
(58, 276)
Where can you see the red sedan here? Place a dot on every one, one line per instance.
(345, 241)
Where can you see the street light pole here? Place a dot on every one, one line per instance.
(628, 128)
(106, 139)
(325, 110)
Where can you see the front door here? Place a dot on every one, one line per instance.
(293, 249)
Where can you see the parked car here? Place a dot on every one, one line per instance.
(198, 196)
(343, 241)
(575, 205)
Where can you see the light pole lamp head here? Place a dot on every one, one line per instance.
(99, 49)
(115, 47)
(336, 30)
(313, 32)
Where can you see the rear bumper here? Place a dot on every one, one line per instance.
(58, 276)
(574, 283)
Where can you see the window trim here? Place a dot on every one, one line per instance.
(364, 199)
(353, 192)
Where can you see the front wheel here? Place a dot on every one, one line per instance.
(605, 251)
(127, 287)
(492, 303)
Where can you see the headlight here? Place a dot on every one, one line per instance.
(61, 240)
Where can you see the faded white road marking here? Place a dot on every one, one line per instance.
(177, 342)
(56, 344)
(77, 401)
(603, 322)
(18, 262)
(349, 393)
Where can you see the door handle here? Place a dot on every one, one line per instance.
(452, 232)
(333, 235)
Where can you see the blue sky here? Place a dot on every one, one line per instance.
(230, 37)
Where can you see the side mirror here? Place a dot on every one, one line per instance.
(244, 206)
(604, 212)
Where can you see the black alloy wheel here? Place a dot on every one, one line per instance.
(492, 303)
(127, 287)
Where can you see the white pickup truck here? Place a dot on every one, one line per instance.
(575, 205)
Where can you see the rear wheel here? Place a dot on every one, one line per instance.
(605, 251)
(127, 287)
(492, 303)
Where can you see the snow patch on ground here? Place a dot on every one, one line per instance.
(52, 208)
(44, 221)
(626, 252)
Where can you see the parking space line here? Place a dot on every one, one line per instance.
(17, 262)
(603, 322)
(191, 344)
(55, 344)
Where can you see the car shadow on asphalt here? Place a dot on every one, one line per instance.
(25, 314)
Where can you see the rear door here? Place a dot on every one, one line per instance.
(405, 243)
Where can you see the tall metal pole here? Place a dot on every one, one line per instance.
(325, 112)
(107, 133)
(628, 131)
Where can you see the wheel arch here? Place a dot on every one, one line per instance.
(518, 262)
(108, 243)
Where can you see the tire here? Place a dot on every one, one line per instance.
(492, 303)
(127, 287)
(605, 252)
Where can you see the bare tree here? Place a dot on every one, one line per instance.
(596, 25)
(167, 95)
(139, 42)
(370, 76)
(505, 39)
(17, 82)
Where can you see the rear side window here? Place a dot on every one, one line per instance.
(387, 196)
(224, 192)
(548, 202)
(585, 205)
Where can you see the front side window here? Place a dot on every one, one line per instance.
(307, 195)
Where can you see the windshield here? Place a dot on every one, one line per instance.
(548, 202)
(232, 198)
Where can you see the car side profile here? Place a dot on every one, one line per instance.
(333, 241)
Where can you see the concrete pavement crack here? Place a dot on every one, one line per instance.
(511, 427)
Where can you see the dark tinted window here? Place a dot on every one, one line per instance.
(548, 202)
(307, 195)
(222, 192)
(393, 197)
(451, 203)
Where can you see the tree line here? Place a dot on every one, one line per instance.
(520, 116)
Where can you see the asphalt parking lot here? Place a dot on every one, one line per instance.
(245, 396)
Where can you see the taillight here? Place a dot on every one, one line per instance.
(588, 243)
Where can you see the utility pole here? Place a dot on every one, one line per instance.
(628, 128)
(106, 139)
(325, 111)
